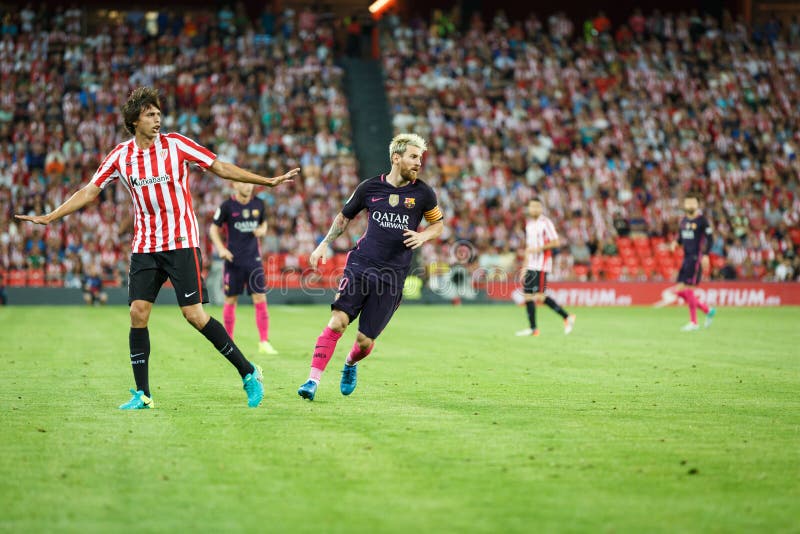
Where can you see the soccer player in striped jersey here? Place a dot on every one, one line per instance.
(376, 268)
(244, 218)
(540, 240)
(153, 167)
(694, 234)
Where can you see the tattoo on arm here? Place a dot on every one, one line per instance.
(337, 228)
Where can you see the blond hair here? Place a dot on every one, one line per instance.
(401, 142)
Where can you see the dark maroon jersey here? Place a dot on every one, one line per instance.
(241, 220)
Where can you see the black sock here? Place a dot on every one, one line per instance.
(555, 307)
(139, 341)
(531, 307)
(217, 335)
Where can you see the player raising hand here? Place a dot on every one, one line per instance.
(154, 168)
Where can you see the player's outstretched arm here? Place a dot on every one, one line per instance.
(338, 227)
(416, 239)
(232, 172)
(83, 196)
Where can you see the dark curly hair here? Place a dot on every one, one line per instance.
(140, 99)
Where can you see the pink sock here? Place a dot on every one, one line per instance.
(356, 354)
(229, 317)
(691, 300)
(326, 344)
(262, 320)
(700, 304)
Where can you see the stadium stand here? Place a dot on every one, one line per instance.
(264, 93)
(609, 123)
(610, 126)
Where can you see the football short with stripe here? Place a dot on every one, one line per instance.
(367, 297)
(237, 278)
(534, 282)
(182, 267)
(691, 271)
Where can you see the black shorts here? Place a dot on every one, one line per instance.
(374, 300)
(183, 267)
(239, 277)
(691, 271)
(535, 282)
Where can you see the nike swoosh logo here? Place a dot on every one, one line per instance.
(135, 355)
(375, 199)
(187, 295)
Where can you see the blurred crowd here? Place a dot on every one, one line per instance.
(263, 92)
(610, 123)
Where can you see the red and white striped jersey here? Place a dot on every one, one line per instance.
(158, 181)
(539, 232)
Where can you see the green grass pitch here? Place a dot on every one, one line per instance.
(627, 425)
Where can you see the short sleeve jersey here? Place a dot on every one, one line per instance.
(538, 233)
(241, 220)
(158, 181)
(391, 211)
(695, 236)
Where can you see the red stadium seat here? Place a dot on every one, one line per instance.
(340, 260)
(271, 268)
(35, 278)
(327, 268)
(273, 280)
(648, 266)
(667, 271)
(794, 234)
(302, 260)
(596, 264)
(613, 273)
(273, 263)
(16, 278)
(613, 262)
(642, 246)
(624, 242)
(627, 252)
(581, 272)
